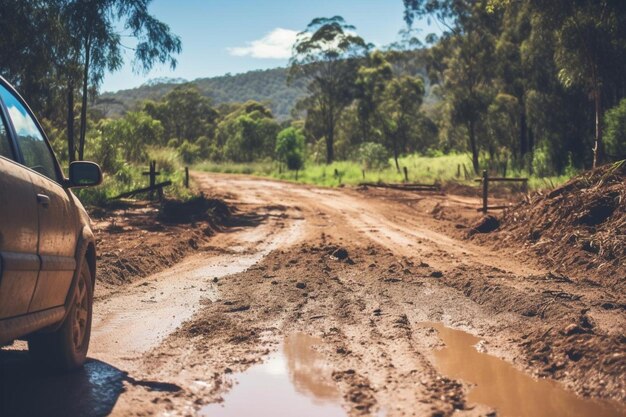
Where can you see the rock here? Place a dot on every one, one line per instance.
(301, 285)
(340, 254)
(573, 329)
(487, 224)
(436, 274)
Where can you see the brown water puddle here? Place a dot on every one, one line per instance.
(295, 381)
(510, 391)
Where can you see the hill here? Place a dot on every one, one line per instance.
(261, 85)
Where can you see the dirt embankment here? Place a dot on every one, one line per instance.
(139, 238)
(578, 228)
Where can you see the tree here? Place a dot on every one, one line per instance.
(133, 133)
(95, 47)
(248, 133)
(399, 111)
(326, 54)
(462, 61)
(185, 113)
(590, 50)
(372, 79)
(290, 148)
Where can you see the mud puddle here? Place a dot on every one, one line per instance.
(511, 392)
(295, 381)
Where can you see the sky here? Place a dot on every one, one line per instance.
(235, 36)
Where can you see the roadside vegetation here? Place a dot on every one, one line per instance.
(421, 169)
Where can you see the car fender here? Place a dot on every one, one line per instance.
(86, 240)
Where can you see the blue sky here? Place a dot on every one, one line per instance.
(222, 36)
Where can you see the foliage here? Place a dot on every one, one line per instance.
(290, 148)
(184, 113)
(615, 140)
(442, 168)
(325, 55)
(373, 156)
(267, 86)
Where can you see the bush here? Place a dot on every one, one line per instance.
(615, 137)
(166, 159)
(189, 152)
(373, 156)
(290, 148)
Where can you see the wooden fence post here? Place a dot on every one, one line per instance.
(485, 190)
(186, 177)
(406, 174)
(363, 172)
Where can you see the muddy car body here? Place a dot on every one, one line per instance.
(47, 247)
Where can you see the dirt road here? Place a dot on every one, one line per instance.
(329, 302)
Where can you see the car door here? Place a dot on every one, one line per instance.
(19, 262)
(58, 234)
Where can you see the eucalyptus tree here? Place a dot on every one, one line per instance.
(94, 31)
(326, 54)
(590, 51)
(462, 61)
(399, 112)
(372, 79)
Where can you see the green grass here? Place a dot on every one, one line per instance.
(422, 169)
(130, 178)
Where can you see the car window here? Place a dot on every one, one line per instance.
(5, 147)
(31, 142)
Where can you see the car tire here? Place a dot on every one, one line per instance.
(66, 348)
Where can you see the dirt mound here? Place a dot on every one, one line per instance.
(140, 238)
(487, 224)
(197, 208)
(580, 225)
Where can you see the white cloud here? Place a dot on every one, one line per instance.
(275, 45)
(24, 125)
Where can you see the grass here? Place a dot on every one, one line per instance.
(421, 169)
(129, 178)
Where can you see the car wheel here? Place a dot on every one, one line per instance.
(66, 348)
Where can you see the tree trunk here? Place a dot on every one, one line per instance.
(329, 147)
(330, 140)
(71, 148)
(598, 154)
(474, 147)
(523, 135)
(83, 110)
(395, 155)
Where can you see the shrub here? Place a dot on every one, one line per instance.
(189, 152)
(290, 148)
(373, 156)
(166, 159)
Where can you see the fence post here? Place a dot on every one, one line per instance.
(152, 178)
(186, 177)
(363, 172)
(458, 170)
(406, 174)
(485, 190)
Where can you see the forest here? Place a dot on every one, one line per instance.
(528, 86)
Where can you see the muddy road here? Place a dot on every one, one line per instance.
(324, 302)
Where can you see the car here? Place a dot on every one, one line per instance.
(47, 245)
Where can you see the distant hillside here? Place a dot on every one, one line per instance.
(263, 85)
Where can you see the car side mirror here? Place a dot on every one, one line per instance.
(84, 174)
